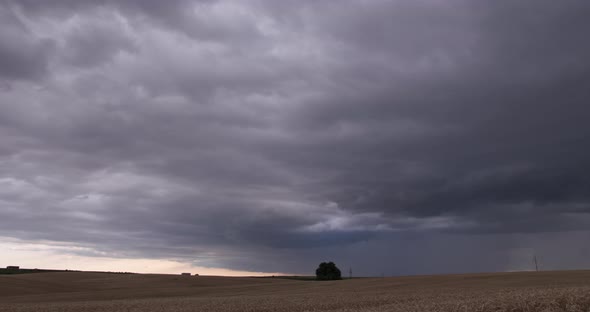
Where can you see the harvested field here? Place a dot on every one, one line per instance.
(78, 291)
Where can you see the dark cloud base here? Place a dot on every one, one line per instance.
(402, 137)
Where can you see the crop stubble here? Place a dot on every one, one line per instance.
(90, 292)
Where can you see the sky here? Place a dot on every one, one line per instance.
(264, 137)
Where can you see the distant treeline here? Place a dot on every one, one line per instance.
(25, 271)
(292, 277)
(28, 271)
(299, 277)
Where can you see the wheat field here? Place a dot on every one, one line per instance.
(78, 291)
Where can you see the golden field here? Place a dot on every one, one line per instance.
(79, 291)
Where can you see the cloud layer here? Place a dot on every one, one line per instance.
(396, 136)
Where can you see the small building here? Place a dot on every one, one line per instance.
(185, 274)
(13, 267)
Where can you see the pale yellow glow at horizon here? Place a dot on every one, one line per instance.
(43, 255)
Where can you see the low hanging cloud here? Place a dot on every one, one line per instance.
(268, 136)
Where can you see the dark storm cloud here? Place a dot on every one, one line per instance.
(272, 135)
(23, 55)
(95, 43)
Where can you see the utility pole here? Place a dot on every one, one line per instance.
(536, 265)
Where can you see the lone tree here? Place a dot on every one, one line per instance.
(328, 271)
